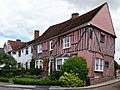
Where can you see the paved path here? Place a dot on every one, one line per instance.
(110, 85)
(88, 87)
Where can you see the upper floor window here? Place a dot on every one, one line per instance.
(51, 45)
(106, 64)
(90, 34)
(26, 51)
(19, 53)
(99, 65)
(66, 42)
(39, 48)
(102, 38)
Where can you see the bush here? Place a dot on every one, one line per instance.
(36, 71)
(25, 81)
(70, 80)
(55, 75)
(9, 72)
(76, 65)
(3, 79)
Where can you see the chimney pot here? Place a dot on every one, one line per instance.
(75, 15)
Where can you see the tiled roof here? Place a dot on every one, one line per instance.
(25, 45)
(69, 24)
(15, 44)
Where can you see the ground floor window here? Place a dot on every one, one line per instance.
(59, 62)
(99, 65)
(39, 64)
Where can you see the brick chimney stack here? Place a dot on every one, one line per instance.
(74, 15)
(36, 34)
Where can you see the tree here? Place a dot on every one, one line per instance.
(76, 65)
(8, 60)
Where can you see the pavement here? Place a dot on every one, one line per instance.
(7, 85)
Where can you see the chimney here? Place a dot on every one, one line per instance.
(18, 40)
(36, 34)
(74, 15)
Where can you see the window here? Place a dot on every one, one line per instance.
(36, 64)
(39, 48)
(66, 42)
(99, 65)
(106, 64)
(26, 51)
(14, 52)
(59, 63)
(51, 45)
(41, 64)
(102, 38)
(19, 53)
(90, 34)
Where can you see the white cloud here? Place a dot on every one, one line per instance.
(3, 40)
(22, 17)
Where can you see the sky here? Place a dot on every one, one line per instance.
(19, 18)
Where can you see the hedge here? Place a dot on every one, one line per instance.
(4, 79)
(24, 81)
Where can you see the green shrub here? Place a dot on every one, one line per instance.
(4, 79)
(25, 81)
(9, 72)
(55, 75)
(76, 65)
(70, 80)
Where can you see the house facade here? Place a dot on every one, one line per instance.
(23, 52)
(90, 35)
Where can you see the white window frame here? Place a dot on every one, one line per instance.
(99, 65)
(39, 63)
(39, 48)
(51, 45)
(66, 42)
(63, 60)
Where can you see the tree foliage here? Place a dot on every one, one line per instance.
(76, 65)
(8, 60)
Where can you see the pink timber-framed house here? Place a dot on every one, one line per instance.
(90, 35)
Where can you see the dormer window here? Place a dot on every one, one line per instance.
(66, 42)
(51, 45)
(39, 48)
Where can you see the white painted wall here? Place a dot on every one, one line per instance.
(24, 57)
(7, 47)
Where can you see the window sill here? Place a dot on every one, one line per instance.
(51, 50)
(66, 47)
(99, 71)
